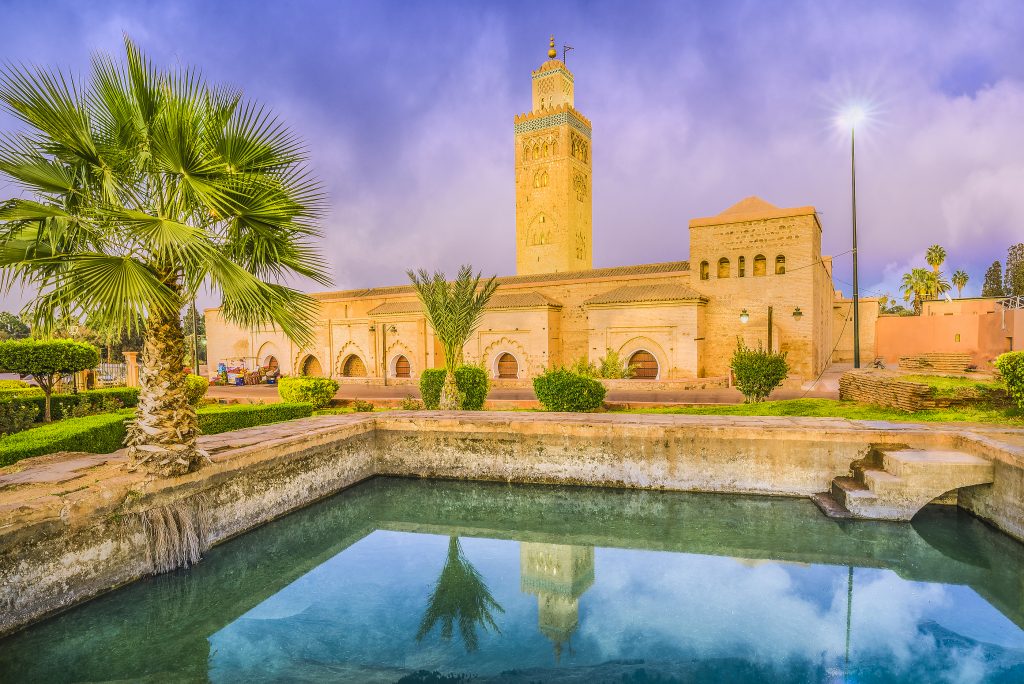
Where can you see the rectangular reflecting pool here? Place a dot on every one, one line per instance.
(424, 581)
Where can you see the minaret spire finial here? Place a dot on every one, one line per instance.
(552, 53)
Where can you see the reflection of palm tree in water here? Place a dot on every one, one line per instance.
(460, 596)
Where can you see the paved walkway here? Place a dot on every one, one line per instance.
(827, 387)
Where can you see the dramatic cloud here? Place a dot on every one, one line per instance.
(407, 108)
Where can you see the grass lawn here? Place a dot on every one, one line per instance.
(831, 408)
(952, 386)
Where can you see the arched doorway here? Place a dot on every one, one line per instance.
(403, 369)
(270, 363)
(311, 367)
(644, 365)
(508, 367)
(353, 367)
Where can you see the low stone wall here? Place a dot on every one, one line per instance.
(72, 529)
(951, 362)
(885, 388)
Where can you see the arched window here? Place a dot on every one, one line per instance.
(403, 369)
(741, 266)
(311, 367)
(704, 270)
(508, 367)
(780, 265)
(760, 265)
(644, 365)
(723, 268)
(271, 363)
(353, 367)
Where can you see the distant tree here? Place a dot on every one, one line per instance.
(46, 361)
(186, 325)
(1013, 283)
(993, 285)
(935, 256)
(12, 327)
(960, 279)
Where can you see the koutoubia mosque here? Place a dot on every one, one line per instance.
(673, 320)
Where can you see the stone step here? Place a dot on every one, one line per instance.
(847, 490)
(829, 506)
(881, 482)
(913, 463)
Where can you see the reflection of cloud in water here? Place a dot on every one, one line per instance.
(706, 607)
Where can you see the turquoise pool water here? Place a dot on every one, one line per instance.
(419, 581)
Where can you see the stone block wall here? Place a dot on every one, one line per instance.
(885, 388)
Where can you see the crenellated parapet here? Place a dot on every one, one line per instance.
(553, 116)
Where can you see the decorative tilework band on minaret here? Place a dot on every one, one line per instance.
(553, 176)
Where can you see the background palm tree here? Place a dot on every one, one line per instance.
(937, 284)
(460, 597)
(915, 287)
(454, 310)
(935, 256)
(960, 279)
(145, 185)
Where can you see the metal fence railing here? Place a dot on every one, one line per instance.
(109, 374)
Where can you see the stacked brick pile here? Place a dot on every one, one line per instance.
(885, 388)
(940, 362)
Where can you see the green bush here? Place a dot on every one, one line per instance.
(757, 371)
(101, 434)
(361, 406)
(411, 404)
(471, 381)
(46, 361)
(217, 419)
(20, 392)
(1011, 366)
(16, 415)
(195, 388)
(610, 366)
(316, 391)
(13, 385)
(563, 390)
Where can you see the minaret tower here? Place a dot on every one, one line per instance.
(553, 177)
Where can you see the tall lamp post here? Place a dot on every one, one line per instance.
(851, 118)
(384, 330)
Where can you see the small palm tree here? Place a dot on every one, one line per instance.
(935, 256)
(915, 287)
(960, 279)
(145, 185)
(454, 310)
(460, 596)
(937, 284)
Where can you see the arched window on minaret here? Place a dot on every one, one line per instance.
(704, 270)
(741, 266)
(723, 268)
(760, 265)
(780, 265)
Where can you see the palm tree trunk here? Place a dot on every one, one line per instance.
(449, 392)
(162, 438)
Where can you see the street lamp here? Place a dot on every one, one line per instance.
(851, 118)
(745, 318)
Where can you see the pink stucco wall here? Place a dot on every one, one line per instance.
(979, 327)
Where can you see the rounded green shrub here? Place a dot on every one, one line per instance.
(46, 361)
(195, 388)
(471, 381)
(1011, 366)
(316, 391)
(6, 385)
(757, 371)
(563, 390)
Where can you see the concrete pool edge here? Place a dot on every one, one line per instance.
(82, 532)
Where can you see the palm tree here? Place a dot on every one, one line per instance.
(915, 287)
(454, 310)
(935, 256)
(145, 185)
(937, 284)
(960, 279)
(460, 596)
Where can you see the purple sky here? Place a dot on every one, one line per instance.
(407, 108)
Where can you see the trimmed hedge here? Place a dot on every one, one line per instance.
(317, 391)
(471, 381)
(105, 433)
(61, 404)
(563, 390)
(217, 419)
(1011, 367)
(100, 434)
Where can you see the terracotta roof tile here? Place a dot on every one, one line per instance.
(646, 293)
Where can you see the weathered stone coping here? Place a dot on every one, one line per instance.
(69, 526)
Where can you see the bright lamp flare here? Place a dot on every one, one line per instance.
(852, 117)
